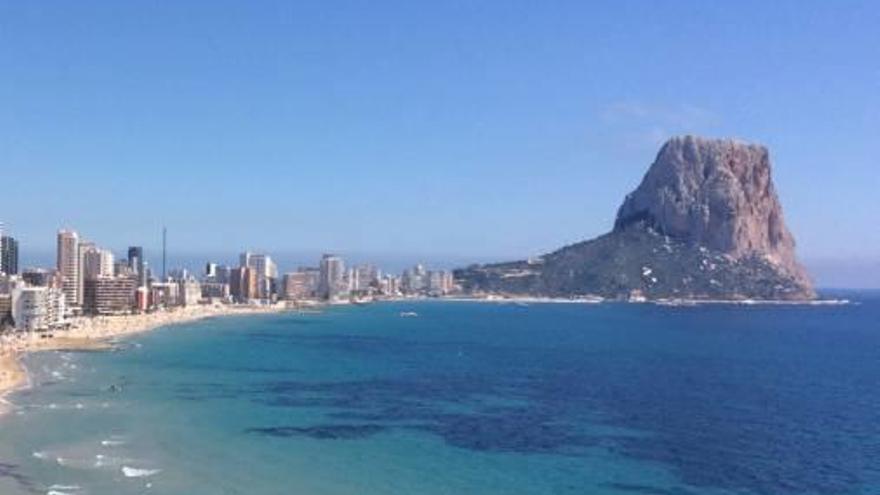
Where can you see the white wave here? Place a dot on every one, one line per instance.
(112, 443)
(131, 472)
(63, 490)
(40, 455)
(102, 461)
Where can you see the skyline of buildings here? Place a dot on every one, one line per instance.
(89, 280)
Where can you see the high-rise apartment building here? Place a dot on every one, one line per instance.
(244, 259)
(8, 255)
(68, 266)
(365, 277)
(221, 274)
(137, 264)
(265, 269)
(331, 282)
(243, 284)
(96, 262)
(440, 282)
(37, 308)
(30, 307)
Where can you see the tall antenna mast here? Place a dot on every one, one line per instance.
(164, 245)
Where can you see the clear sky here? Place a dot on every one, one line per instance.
(459, 129)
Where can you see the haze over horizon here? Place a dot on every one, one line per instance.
(455, 131)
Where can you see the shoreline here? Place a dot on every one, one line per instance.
(658, 302)
(97, 334)
(13, 377)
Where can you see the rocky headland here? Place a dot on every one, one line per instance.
(705, 223)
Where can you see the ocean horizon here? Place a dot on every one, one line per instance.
(487, 398)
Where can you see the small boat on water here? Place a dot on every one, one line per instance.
(408, 314)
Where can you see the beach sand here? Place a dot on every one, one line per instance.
(98, 333)
(12, 376)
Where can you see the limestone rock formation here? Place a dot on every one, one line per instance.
(705, 222)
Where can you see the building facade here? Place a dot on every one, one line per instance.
(331, 281)
(68, 266)
(243, 284)
(189, 292)
(8, 255)
(37, 308)
(164, 294)
(215, 290)
(365, 278)
(266, 272)
(38, 277)
(108, 295)
(6, 311)
(138, 264)
(96, 262)
(30, 307)
(299, 285)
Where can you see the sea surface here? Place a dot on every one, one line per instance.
(465, 398)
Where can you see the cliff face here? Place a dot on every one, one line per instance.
(704, 223)
(718, 194)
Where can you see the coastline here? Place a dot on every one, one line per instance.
(515, 299)
(98, 333)
(13, 376)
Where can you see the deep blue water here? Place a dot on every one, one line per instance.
(466, 398)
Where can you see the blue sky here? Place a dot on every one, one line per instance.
(438, 129)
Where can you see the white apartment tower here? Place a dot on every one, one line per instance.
(265, 269)
(68, 265)
(331, 281)
(261, 263)
(97, 262)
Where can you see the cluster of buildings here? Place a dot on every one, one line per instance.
(256, 280)
(89, 280)
(332, 281)
(21, 305)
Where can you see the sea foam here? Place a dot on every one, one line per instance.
(131, 472)
(63, 490)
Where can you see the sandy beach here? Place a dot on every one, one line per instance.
(98, 333)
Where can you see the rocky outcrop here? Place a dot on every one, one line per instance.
(705, 222)
(718, 194)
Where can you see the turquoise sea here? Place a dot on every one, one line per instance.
(466, 398)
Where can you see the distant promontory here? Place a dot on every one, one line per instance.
(705, 223)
